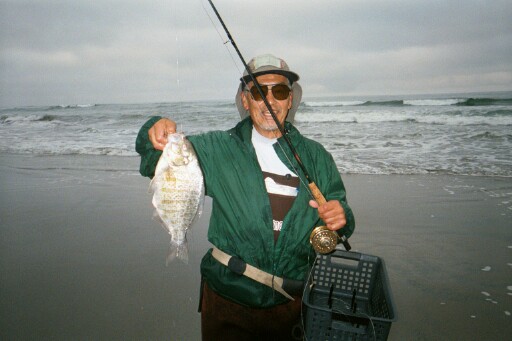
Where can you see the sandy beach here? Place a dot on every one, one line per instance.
(82, 258)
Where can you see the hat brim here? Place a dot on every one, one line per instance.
(297, 97)
(265, 70)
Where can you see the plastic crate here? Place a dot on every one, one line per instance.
(348, 298)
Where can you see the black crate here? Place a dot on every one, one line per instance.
(348, 298)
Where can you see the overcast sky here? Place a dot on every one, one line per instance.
(110, 51)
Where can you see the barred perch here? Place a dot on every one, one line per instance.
(178, 192)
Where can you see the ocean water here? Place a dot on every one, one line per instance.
(466, 134)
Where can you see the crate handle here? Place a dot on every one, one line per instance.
(338, 257)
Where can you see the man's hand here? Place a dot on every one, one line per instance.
(159, 131)
(332, 213)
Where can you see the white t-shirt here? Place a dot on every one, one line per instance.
(271, 163)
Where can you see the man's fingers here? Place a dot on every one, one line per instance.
(332, 213)
(313, 204)
(159, 131)
(157, 139)
(336, 223)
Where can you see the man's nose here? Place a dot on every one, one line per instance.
(270, 95)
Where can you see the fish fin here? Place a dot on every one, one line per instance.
(171, 255)
(177, 250)
(151, 187)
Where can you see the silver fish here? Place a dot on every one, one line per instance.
(178, 192)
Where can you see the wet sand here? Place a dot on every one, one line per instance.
(82, 258)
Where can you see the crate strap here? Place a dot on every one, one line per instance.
(240, 267)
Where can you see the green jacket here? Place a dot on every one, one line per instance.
(241, 218)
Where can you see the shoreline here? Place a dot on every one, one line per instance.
(82, 257)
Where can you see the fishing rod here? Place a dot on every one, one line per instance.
(323, 237)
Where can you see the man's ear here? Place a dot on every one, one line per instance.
(245, 100)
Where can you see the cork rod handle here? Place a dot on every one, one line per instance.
(320, 199)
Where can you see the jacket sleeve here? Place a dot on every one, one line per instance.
(350, 226)
(336, 190)
(149, 156)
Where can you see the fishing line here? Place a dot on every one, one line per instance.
(178, 54)
(180, 101)
(306, 285)
(224, 41)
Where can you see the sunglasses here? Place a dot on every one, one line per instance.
(279, 91)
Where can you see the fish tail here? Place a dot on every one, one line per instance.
(178, 250)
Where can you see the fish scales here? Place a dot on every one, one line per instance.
(178, 192)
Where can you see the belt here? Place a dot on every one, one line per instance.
(238, 266)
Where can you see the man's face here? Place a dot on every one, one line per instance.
(261, 117)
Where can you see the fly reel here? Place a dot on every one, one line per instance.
(323, 240)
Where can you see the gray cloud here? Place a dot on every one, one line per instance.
(62, 52)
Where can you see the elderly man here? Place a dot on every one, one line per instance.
(262, 212)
